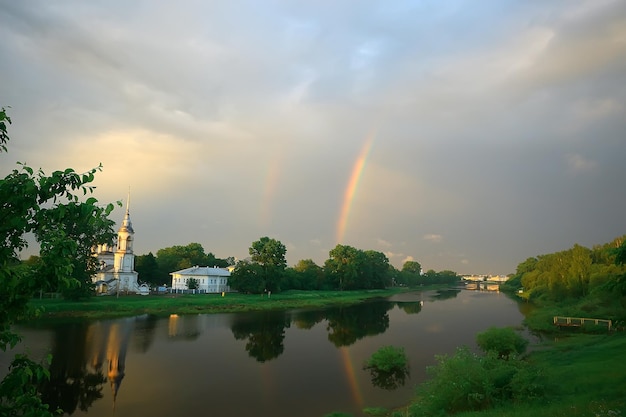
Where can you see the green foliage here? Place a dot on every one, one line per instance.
(468, 382)
(269, 254)
(388, 358)
(388, 366)
(305, 275)
(376, 411)
(193, 284)
(19, 389)
(66, 229)
(349, 268)
(573, 274)
(503, 341)
(620, 254)
(413, 267)
(4, 136)
(410, 275)
(176, 258)
(248, 277)
(148, 269)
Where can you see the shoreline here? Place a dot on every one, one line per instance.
(166, 304)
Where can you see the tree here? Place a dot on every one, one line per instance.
(579, 270)
(376, 272)
(48, 207)
(305, 275)
(343, 267)
(410, 274)
(268, 252)
(620, 254)
(176, 258)
(618, 284)
(193, 284)
(350, 268)
(247, 277)
(412, 267)
(270, 255)
(148, 269)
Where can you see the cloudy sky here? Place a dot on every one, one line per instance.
(466, 135)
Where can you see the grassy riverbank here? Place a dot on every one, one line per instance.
(584, 375)
(111, 306)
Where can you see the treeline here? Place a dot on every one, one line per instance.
(347, 268)
(574, 274)
(156, 270)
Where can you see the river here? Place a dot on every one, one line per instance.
(307, 363)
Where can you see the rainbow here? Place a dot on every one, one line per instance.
(272, 177)
(348, 196)
(351, 375)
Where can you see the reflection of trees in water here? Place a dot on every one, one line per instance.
(446, 294)
(306, 319)
(143, 334)
(412, 307)
(264, 333)
(348, 324)
(84, 357)
(71, 384)
(389, 380)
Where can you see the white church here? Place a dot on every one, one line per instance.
(117, 263)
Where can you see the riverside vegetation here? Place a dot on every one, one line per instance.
(579, 372)
(109, 307)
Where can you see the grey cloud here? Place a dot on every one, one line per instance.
(498, 125)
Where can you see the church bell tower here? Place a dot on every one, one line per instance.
(124, 256)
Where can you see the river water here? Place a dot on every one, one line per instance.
(305, 363)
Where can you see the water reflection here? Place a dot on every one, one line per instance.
(388, 380)
(72, 383)
(84, 358)
(412, 307)
(264, 333)
(276, 366)
(446, 294)
(346, 325)
(183, 327)
(306, 319)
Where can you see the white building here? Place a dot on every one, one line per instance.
(210, 279)
(117, 263)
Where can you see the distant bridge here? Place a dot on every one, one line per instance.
(580, 321)
(483, 286)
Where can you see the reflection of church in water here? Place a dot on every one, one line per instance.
(107, 343)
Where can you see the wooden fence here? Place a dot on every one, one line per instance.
(580, 321)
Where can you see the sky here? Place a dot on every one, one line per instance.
(465, 135)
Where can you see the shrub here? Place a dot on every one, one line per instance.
(504, 341)
(388, 367)
(388, 359)
(469, 382)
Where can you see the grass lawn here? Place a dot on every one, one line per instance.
(128, 305)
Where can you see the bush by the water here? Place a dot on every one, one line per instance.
(466, 381)
(388, 359)
(389, 367)
(504, 341)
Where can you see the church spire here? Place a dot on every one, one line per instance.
(128, 202)
(127, 226)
